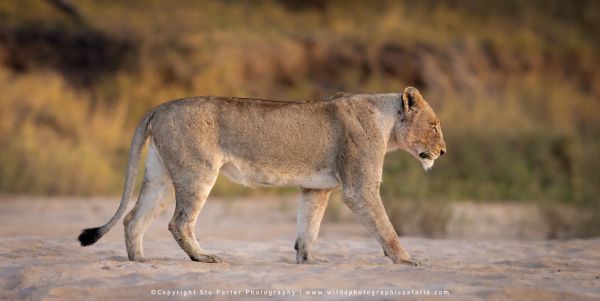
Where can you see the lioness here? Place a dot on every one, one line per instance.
(317, 146)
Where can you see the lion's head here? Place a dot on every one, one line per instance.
(417, 130)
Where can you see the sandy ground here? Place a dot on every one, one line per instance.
(40, 259)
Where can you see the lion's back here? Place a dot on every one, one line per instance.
(281, 136)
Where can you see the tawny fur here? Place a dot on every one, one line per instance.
(318, 146)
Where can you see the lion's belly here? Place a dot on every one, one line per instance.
(274, 177)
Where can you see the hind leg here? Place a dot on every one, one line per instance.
(191, 192)
(310, 212)
(156, 194)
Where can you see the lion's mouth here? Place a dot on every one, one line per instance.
(425, 155)
(427, 159)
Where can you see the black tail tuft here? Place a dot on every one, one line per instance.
(89, 236)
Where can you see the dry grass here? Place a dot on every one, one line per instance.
(515, 84)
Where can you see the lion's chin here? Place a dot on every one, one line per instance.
(427, 164)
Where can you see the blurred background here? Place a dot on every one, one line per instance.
(515, 83)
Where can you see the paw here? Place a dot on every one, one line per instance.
(206, 258)
(303, 253)
(303, 258)
(412, 262)
(137, 257)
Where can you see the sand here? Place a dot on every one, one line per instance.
(40, 259)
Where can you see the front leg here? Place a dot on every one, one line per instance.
(310, 213)
(361, 178)
(360, 165)
(370, 211)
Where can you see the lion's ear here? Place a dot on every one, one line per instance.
(410, 98)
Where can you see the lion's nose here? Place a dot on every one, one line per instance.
(442, 152)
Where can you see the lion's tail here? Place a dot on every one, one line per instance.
(91, 235)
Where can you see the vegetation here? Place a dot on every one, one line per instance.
(515, 83)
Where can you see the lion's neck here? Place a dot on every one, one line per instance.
(388, 106)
